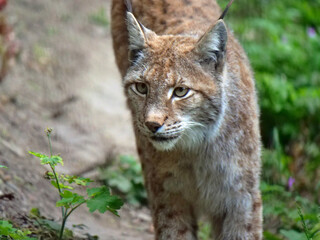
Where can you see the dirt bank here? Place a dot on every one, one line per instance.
(65, 78)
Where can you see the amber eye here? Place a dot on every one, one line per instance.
(180, 92)
(142, 88)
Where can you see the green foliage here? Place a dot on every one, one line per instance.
(99, 17)
(204, 231)
(286, 207)
(70, 199)
(125, 177)
(101, 200)
(8, 232)
(282, 40)
(293, 234)
(304, 225)
(47, 229)
(315, 231)
(98, 198)
(1, 166)
(44, 159)
(77, 180)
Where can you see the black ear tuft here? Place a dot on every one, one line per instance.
(138, 36)
(212, 45)
(128, 4)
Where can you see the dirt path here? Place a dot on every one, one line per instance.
(65, 78)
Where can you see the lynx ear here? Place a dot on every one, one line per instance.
(212, 45)
(138, 36)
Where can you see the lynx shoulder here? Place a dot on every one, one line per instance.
(192, 97)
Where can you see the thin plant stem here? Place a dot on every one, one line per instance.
(67, 214)
(55, 175)
(60, 191)
(62, 227)
(50, 146)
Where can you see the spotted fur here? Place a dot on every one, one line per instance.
(193, 102)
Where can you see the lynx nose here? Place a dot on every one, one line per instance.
(153, 126)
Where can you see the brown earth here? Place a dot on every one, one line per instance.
(65, 78)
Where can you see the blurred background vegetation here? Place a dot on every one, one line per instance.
(282, 40)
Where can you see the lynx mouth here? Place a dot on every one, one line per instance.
(163, 139)
(164, 143)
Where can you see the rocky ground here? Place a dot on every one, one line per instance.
(65, 78)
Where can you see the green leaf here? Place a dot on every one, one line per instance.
(53, 161)
(67, 194)
(269, 236)
(316, 232)
(1, 166)
(77, 180)
(39, 155)
(95, 191)
(61, 185)
(101, 200)
(121, 182)
(35, 212)
(57, 159)
(292, 234)
(45, 160)
(54, 183)
(49, 224)
(49, 175)
(69, 199)
(204, 231)
(6, 228)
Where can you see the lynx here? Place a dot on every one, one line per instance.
(192, 96)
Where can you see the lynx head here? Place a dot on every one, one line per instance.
(174, 84)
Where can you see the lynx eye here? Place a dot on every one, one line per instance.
(141, 88)
(180, 92)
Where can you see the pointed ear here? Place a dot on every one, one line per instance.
(212, 45)
(138, 36)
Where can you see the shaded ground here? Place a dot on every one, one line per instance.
(65, 78)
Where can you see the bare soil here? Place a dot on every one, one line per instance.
(65, 77)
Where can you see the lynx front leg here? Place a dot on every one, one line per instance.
(173, 219)
(173, 216)
(243, 222)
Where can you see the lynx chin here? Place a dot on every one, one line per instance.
(194, 109)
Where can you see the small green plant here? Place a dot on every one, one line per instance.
(304, 225)
(125, 177)
(45, 228)
(1, 166)
(99, 17)
(284, 207)
(98, 198)
(315, 231)
(204, 231)
(41, 54)
(8, 232)
(310, 233)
